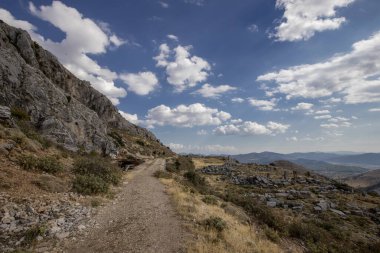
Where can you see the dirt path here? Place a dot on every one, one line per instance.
(140, 219)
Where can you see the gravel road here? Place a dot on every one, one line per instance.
(140, 219)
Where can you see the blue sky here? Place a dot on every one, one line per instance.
(223, 76)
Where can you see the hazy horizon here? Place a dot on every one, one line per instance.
(231, 77)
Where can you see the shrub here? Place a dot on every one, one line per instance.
(19, 113)
(194, 178)
(100, 167)
(307, 232)
(46, 164)
(271, 234)
(214, 222)
(209, 199)
(94, 175)
(118, 140)
(90, 184)
(32, 234)
(162, 174)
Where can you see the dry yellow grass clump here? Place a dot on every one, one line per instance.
(200, 163)
(237, 236)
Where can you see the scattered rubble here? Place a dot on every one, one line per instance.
(52, 218)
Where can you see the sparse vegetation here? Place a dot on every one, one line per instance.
(210, 199)
(216, 223)
(19, 113)
(95, 175)
(32, 234)
(162, 174)
(49, 164)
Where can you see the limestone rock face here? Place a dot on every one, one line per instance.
(63, 108)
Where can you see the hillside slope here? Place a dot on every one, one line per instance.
(61, 107)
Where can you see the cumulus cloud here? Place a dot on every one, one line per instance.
(206, 149)
(302, 106)
(8, 18)
(164, 4)
(183, 70)
(293, 138)
(202, 132)
(355, 75)
(251, 128)
(185, 116)
(195, 2)
(323, 117)
(237, 100)
(303, 18)
(263, 105)
(253, 28)
(141, 83)
(133, 118)
(83, 37)
(337, 122)
(209, 91)
(172, 37)
(322, 112)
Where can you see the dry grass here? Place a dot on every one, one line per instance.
(199, 163)
(238, 236)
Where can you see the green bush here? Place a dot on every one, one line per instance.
(307, 232)
(46, 164)
(19, 113)
(194, 178)
(90, 184)
(99, 167)
(32, 234)
(94, 175)
(209, 199)
(118, 140)
(214, 222)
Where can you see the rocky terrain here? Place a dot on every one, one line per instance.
(292, 202)
(64, 148)
(61, 107)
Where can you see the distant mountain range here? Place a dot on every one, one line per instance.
(334, 165)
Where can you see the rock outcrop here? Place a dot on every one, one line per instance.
(62, 108)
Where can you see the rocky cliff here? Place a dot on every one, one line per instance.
(61, 107)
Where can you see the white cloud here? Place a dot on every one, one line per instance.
(163, 4)
(133, 118)
(263, 105)
(253, 28)
(302, 106)
(72, 51)
(331, 125)
(322, 112)
(374, 110)
(204, 149)
(185, 116)
(202, 132)
(183, 70)
(237, 100)
(323, 117)
(195, 2)
(209, 91)
(303, 18)
(355, 75)
(141, 83)
(8, 18)
(293, 138)
(172, 37)
(251, 128)
(277, 127)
